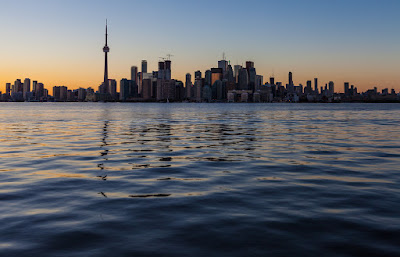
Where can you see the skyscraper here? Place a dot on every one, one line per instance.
(26, 88)
(346, 88)
(144, 66)
(106, 49)
(290, 78)
(188, 85)
(316, 85)
(331, 88)
(134, 72)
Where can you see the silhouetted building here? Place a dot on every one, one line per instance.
(290, 78)
(144, 66)
(346, 88)
(134, 74)
(216, 74)
(316, 85)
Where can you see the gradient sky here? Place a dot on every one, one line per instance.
(60, 42)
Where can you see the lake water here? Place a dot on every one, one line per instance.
(114, 179)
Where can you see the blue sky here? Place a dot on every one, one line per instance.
(60, 42)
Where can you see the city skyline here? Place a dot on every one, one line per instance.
(367, 54)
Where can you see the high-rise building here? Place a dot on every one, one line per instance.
(236, 70)
(17, 87)
(146, 89)
(26, 89)
(106, 50)
(272, 80)
(346, 88)
(56, 93)
(249, 64)
(216, 74)
(124, 89)
(308, 89)
(81, 94)
(161, 70)
(290, 78)
(243, 80)
(8, 88)
(134, 72)
(168, 72)
(223, 64)
(197, 75)
(40, 91)
(331, 88)
(34, 83)
(144, 66)
(188, 85)
(316, 85)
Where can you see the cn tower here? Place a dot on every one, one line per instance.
(106, 49)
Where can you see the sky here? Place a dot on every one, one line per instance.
(60, 42)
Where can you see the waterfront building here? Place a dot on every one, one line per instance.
(188, 86)
(134, 73)
(290, 78)
(216, 74)
(144, 66)
(316, 86)
(331, 88)
(26, 89)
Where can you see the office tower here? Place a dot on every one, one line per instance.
(40, 91)
(216, 74)
(106, 50)
(259, 82)
(81, 94)
(144, 66)
(63, 93)
(146, 89)
(236, 70)
(290, 78)
(229, 74)
(346, 88)
(316, 85)
(198, 89)
(124, 85)
(249, 64)
(331, 88)
(243, 80)
(168, 72)
(17, 87)
(112, 89)
(26, 89)
(8, 88)
(272, 80)
(56, 93)
(252, 78)
(308, 89)
(208, 75)
(188, 85)
(34, 84)
(161, 70)
(223, 64)
(134, 73)
(197, 75)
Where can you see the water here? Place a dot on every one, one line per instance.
(103, 179)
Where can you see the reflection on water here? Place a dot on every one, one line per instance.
(198, 179)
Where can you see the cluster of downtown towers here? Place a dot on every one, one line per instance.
(222, 84)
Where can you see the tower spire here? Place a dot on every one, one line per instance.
(106, 32)
(106, 49)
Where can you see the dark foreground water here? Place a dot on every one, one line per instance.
(102, 179)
